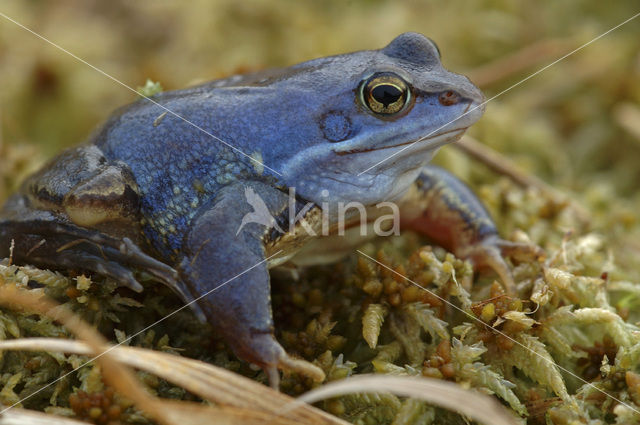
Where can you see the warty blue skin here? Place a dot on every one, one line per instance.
(284, 119)
(150, 191)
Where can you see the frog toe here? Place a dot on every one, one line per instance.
(520, 251)
(112, 270)
(491, 252)
(487, 254)
(265, 351)
(81, 260)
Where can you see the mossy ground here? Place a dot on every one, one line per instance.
(574, 125)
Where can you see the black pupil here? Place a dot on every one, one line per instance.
(386, 94)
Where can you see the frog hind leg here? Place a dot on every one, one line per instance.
(444, 209)
(59, 251)
(227, 272)
(45, 239)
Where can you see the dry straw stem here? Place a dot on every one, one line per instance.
(250, 401)
(119, 376)
(246, 401)
(519, 61)
(503, 165)
(475, 405)
(209, 382)
(224, 387)
(28, 417)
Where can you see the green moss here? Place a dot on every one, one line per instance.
(150, 88)
(560, 126)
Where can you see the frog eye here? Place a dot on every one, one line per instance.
(385, 93)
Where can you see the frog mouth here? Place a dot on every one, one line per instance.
(443, 141)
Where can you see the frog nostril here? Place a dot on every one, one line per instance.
(448, 98)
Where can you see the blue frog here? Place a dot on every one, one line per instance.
(209, 187)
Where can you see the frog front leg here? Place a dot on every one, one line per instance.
(225, 266)
(444, 209)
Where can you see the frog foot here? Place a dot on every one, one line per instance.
(491, 252)
(43, 240)
(274, 358)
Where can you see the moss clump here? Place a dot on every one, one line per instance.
(573, 316)
(150, 88)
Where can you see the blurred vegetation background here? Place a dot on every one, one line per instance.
(567, 115)
(576, 125)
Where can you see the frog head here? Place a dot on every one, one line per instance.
(381, 117)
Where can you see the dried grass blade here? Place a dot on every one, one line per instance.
(29, 417)
(207, 381)
(197, 414)
(118, 376)
(451, 396)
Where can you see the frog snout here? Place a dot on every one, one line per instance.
(465, 90)
(467, 94)
(475, 102)
(474, 94)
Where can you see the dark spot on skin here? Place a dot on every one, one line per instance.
(335, 126)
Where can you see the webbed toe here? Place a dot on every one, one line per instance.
(263, 350)
(491, 252)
